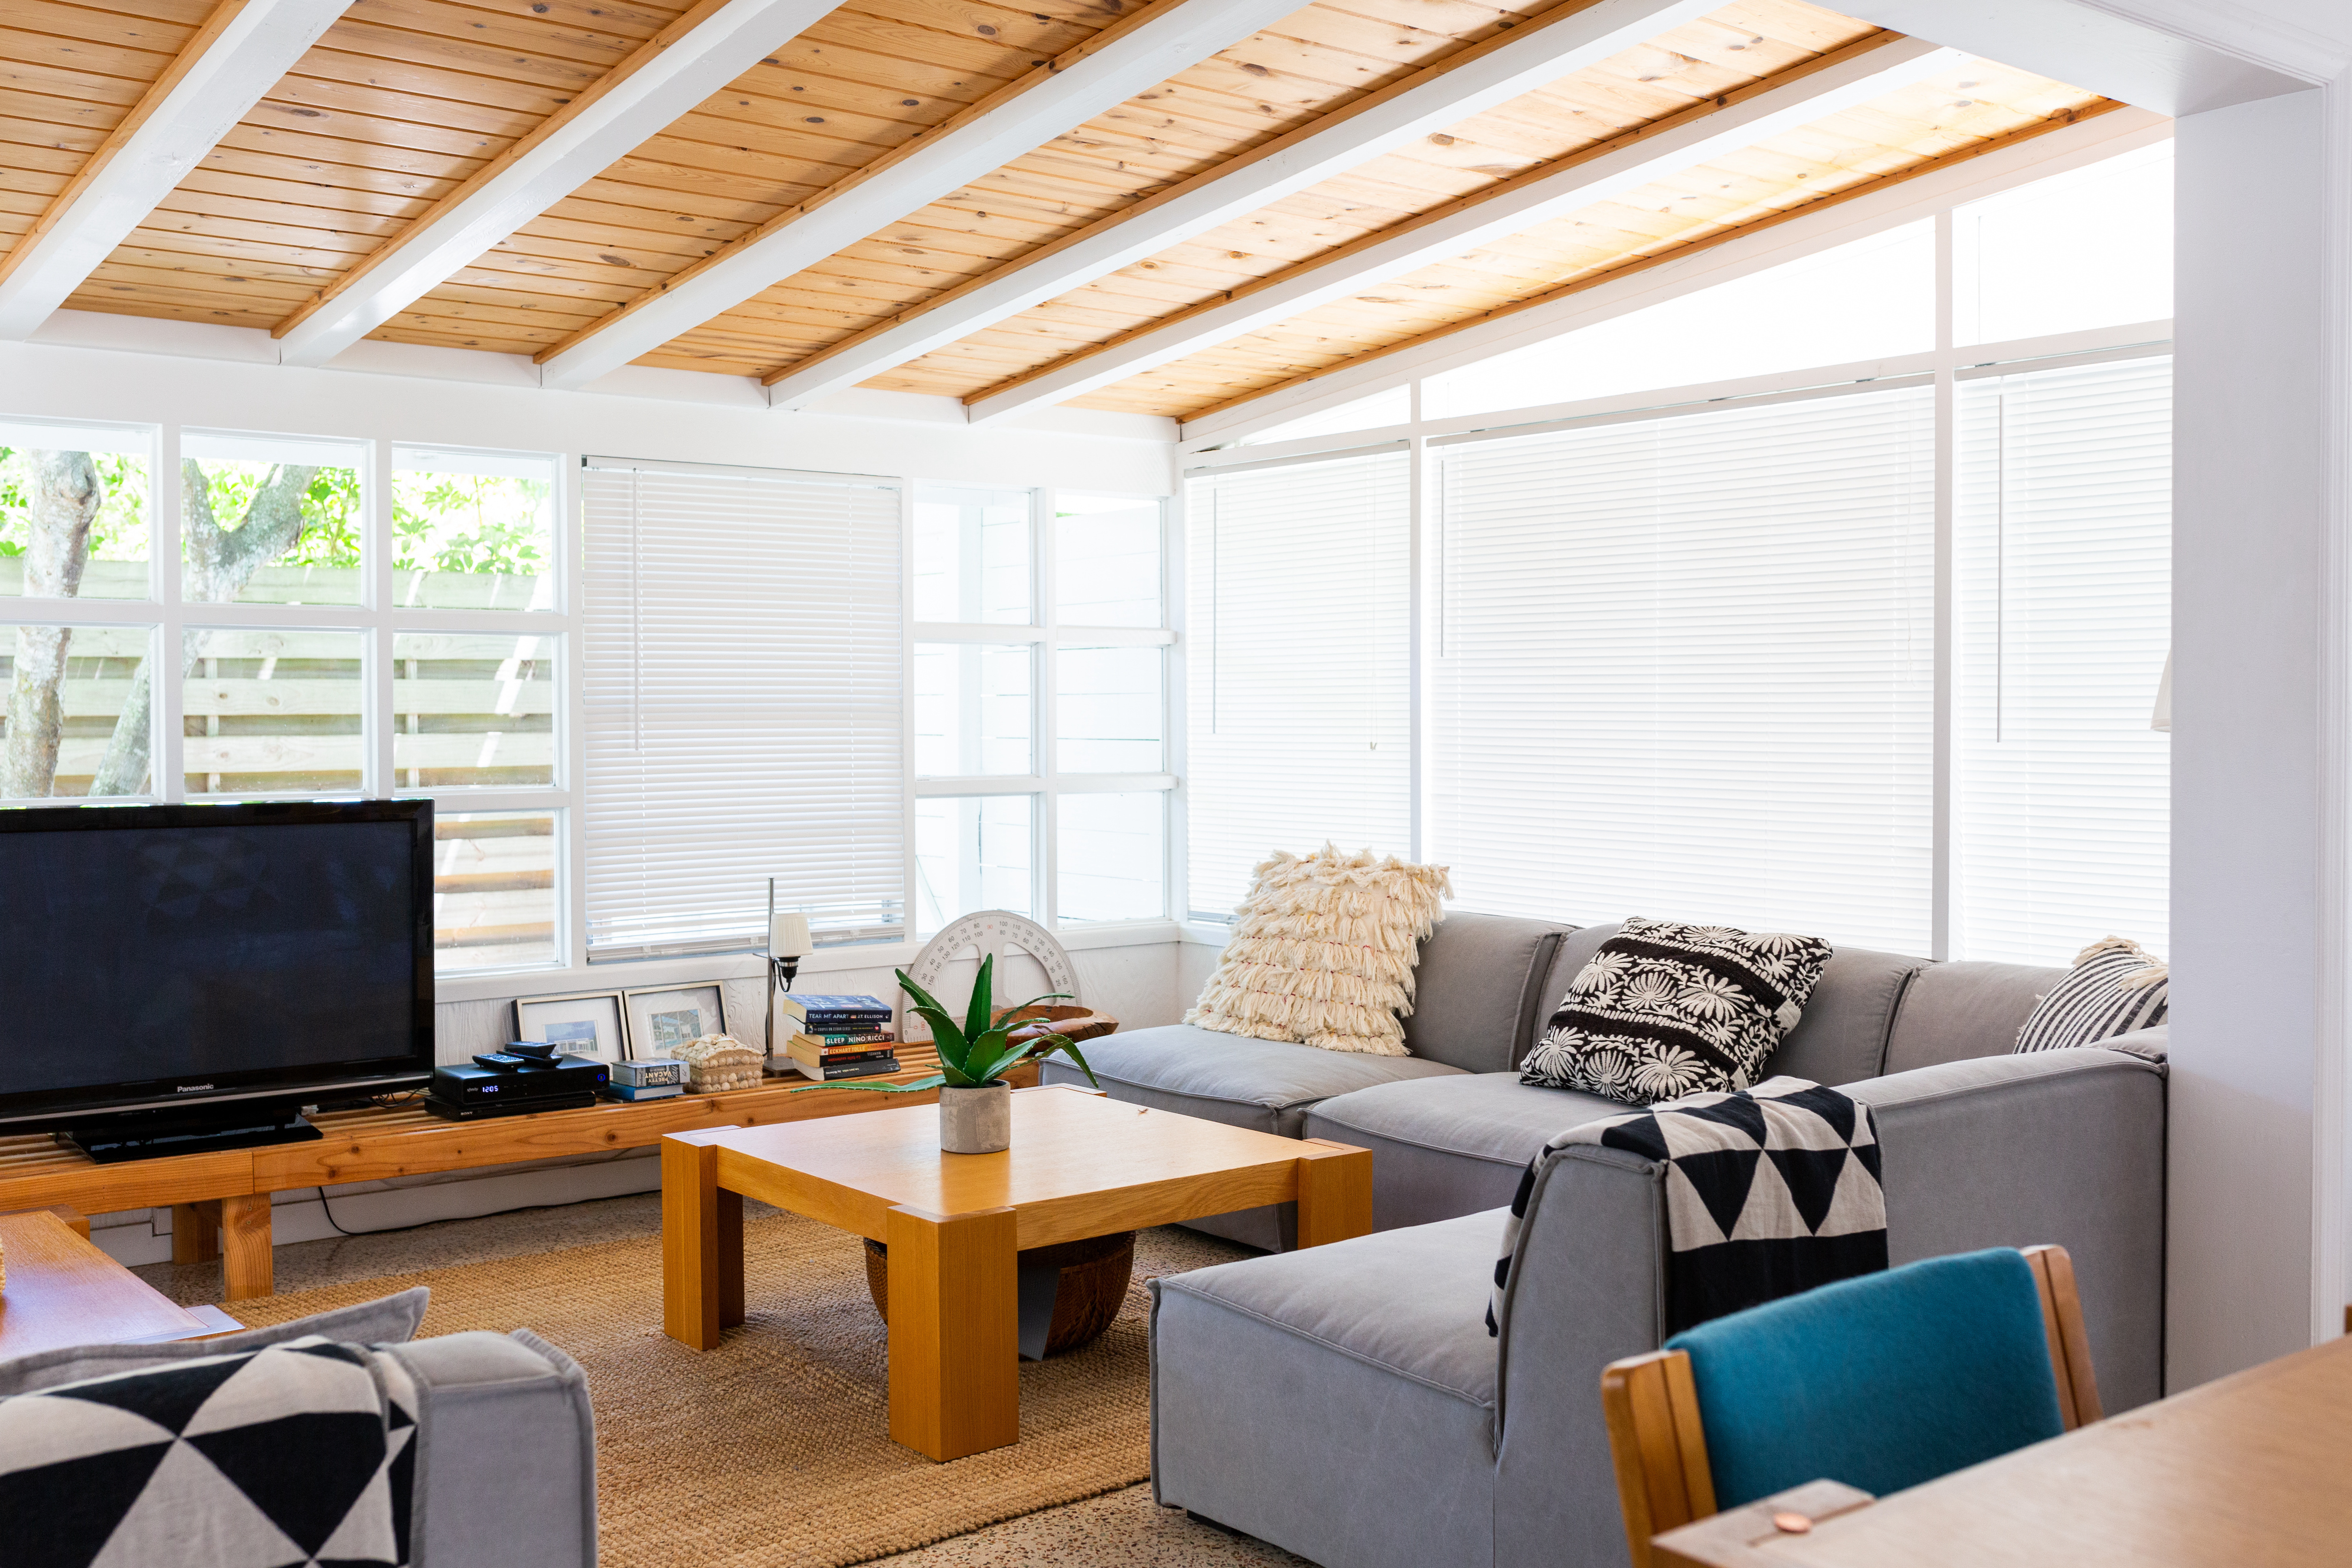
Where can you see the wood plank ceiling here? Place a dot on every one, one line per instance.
(402, 101)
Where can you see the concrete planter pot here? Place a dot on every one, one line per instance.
(976, 1120)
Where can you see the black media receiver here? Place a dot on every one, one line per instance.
(465, 1093)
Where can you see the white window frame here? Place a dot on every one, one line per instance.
(1045, 635)
(377, 620)
(1944, 366)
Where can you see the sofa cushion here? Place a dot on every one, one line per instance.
(1262, 1084)
(1453, 1146)
(2115, 987)
(1329, 1402)
(388, 1319)
(1481, 990)
(1323, 949)
(1842, 1036)
(1952, 1012)
(1668, 1008)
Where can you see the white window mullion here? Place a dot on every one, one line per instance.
(166, 699)
(1047, 683)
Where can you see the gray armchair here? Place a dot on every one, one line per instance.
(1347, 1403)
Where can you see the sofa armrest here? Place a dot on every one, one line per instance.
(506, 1473)
(1587, 1285)
(2063, 1146)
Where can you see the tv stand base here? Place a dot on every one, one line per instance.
(145, 1138)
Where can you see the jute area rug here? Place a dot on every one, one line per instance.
(774, 1448)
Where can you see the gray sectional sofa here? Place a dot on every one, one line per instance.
(1347, 1401)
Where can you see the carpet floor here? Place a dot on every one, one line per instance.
(774, 1448)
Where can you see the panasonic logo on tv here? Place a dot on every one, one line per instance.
(192, 1089)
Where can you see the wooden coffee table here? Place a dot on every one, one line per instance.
(1080, 1166)
(62, 1291)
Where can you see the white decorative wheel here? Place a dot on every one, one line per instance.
(997, 933)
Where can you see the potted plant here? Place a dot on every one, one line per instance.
(975, 1102)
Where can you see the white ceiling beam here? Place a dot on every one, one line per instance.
(1849, 77)
(1560, 42)
(239, 54)
(1096, 76)
(663, 80)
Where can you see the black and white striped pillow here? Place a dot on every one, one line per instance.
(2116, 986)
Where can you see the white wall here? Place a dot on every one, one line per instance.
(2250, 539)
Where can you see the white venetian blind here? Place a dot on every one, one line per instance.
(742, 706)
(2063, 605)
(1297, 683)
(1686, 670)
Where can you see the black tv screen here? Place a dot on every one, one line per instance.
(156, 955)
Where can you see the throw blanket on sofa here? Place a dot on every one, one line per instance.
(298, 1453)
(1770, 1191)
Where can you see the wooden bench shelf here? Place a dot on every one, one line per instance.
(380, 1144)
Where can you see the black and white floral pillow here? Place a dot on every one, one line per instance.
(1663, 1010)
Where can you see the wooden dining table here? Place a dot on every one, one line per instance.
(2252, 1469)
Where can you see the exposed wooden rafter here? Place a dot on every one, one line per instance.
(1564, 39)
(664, 77)
(1106, 70)
(1856, 74)
(238, 55)
(2099, 129)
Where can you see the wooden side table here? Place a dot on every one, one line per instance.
(1080, 1166)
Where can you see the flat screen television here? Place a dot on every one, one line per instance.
(181, 976)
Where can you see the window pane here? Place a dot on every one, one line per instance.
(973, 852)
(1686, 664)
(1106, 560)
(1112, 853)
(1394, 407)
(1108, 707)
(472, 531)
(1873, 299)
(971, 555)
(67, 690)
(1298, 669)
(473, 709)
(493, 889)
(268, 711)
(2062, 609)
(269, 519)
(971, 709)
(73, 510)
(2090, 247)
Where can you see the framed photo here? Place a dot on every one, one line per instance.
(662, 1020)
(584, 1023)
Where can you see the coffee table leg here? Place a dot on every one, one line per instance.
(1335, 1192)
(702, 1245)
(955, 1331)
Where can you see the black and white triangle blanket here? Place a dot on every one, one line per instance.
(1770, 1191)
(303, 1452)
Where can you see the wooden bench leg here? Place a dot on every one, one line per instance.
(247, 1265)
(195, 1231)
(955, 1331)
(1335, 1192)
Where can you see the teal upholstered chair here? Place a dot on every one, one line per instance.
(1880, 1382)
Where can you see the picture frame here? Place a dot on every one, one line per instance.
(663, 1017)
(586, 1023)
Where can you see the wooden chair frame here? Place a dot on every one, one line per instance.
(1659, 1446)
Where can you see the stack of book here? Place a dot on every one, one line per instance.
(839, 1036)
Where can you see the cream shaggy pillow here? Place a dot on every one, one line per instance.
(1323, 951)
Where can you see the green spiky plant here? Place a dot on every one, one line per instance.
(977, 1052)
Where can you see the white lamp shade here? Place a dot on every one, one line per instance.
(788, 936)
